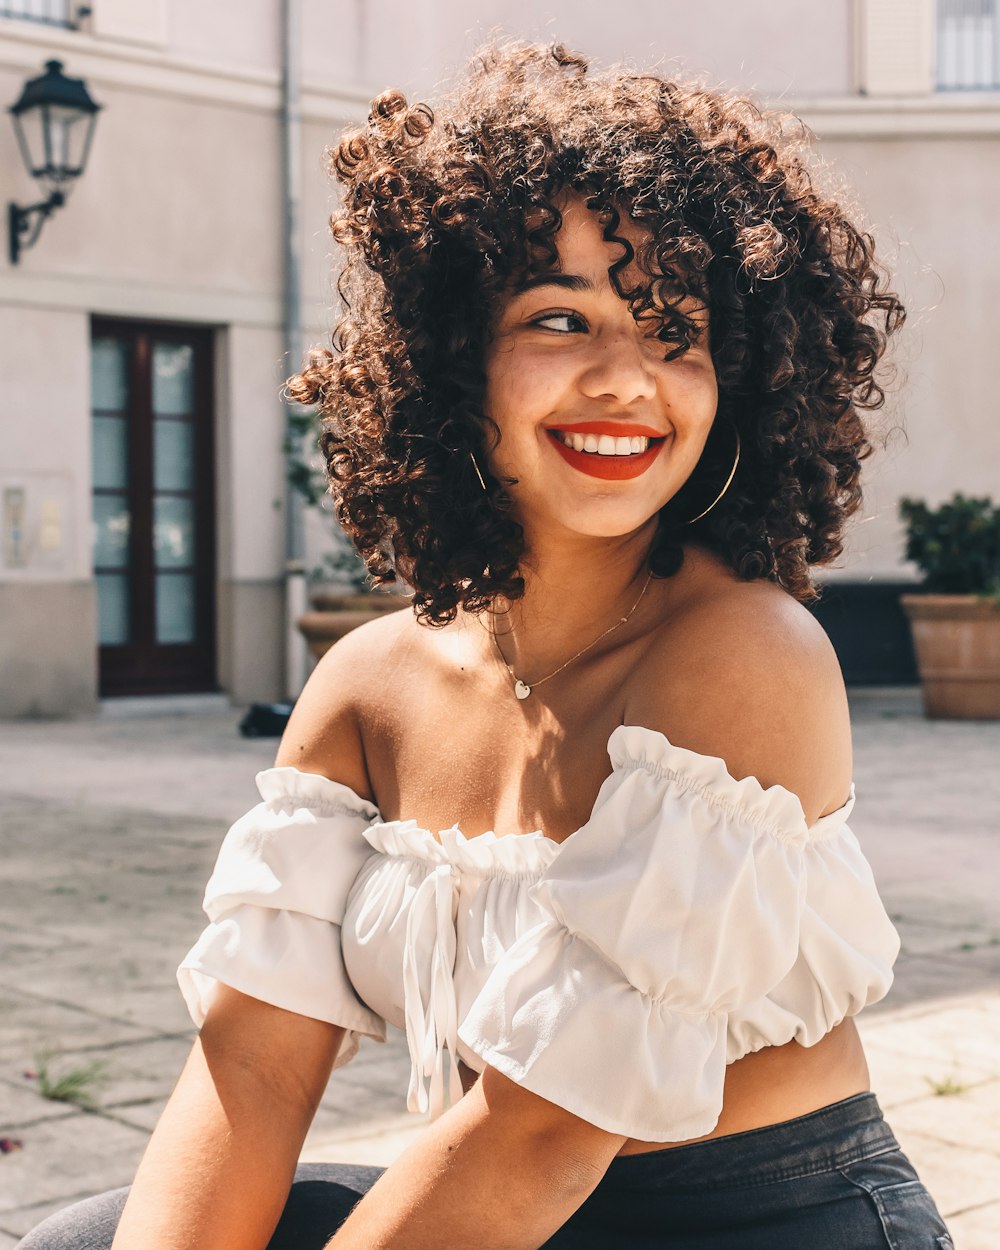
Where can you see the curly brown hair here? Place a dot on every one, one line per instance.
(444, 211)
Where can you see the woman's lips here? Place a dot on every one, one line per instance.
(610, 468)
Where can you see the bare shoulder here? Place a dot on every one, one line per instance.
(746, 673)
(325, 733)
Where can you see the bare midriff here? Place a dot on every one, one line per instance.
(774, 1084)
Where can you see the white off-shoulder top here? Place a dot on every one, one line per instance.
(692, 919)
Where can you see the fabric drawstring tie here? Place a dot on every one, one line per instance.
(432, 1026)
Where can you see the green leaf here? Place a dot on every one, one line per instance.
(956, 546)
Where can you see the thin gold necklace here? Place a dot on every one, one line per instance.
(522, 689)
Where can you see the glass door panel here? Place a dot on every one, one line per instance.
(111, 531)
(110, 452)
(173, 532)
(112, 609)
(173, 454)
(173, 379)
(175, 617)
(112, 517)
(109, 375)
(175, 522)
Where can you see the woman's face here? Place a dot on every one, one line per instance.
(569, 363)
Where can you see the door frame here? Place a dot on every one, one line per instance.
(143, 666)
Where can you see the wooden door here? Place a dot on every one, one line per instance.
(153, 507)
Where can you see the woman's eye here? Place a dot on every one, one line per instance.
(561, 323)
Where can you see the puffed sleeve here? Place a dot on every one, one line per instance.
(680, 899)
(276, 903)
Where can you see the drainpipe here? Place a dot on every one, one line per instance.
(291, 149)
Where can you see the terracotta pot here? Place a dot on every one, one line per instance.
(375, 602)
(957, 641)
(335, 615)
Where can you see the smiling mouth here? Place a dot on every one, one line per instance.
(609, 456)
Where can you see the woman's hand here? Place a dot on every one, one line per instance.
(501, 1170)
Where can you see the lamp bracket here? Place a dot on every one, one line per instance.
(25, 224)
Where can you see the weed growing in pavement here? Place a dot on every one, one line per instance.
(74, 1085)
(946, 1087)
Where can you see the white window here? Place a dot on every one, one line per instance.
(49, 12)
(968, 45)
(917, 47)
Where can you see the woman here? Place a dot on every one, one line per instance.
(596, 400)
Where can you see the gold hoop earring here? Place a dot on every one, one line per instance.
(478, 474)
(729, 480)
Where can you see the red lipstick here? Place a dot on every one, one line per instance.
(610, 468)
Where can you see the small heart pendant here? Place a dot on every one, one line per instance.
(521, 690)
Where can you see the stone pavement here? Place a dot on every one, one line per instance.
(108, 831)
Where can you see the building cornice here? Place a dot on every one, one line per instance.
(951, 114)
(24, 46)
(118, 298)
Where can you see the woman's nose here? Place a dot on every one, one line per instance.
(618, 367)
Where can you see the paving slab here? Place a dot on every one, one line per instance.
(139, 988)
(968, 1118)
(947, 1030)
(381, 1062)
(21, 1104)
(377, 1146)
(80, 1154)
(187, 765)
(899, 1076)
(925, 978)
(33, 1023)
(976, 1229)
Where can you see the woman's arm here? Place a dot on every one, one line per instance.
(219, 1165)
(501, 1170)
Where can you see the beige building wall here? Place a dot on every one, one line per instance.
(774, 48)
(927, 179)
(179, 218)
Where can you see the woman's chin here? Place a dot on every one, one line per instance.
(592, 522)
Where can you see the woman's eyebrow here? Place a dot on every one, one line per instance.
(569, 281)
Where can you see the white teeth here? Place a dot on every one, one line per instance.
(606, 444)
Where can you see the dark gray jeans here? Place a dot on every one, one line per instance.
(835, 1179)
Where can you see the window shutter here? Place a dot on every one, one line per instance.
(895, 47)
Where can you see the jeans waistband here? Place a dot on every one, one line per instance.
(842, 1133)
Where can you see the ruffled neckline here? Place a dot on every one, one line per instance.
(483, 853)
(279, 785)
(635, 746)
(629, 746)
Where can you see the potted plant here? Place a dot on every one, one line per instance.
(956, 621)
(345, 600)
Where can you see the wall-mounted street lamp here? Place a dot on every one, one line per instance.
(54, 120)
